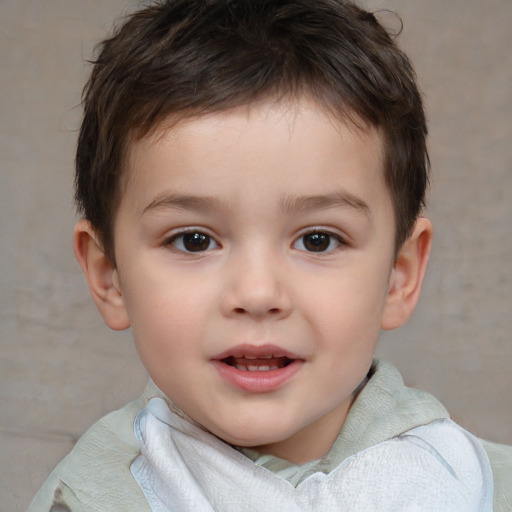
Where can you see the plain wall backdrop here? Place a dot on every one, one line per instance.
(61, 368)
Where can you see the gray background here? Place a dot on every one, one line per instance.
(61, 369)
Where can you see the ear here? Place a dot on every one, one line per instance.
(101, 276)
(407, 276)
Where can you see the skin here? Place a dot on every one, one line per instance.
(258, 187)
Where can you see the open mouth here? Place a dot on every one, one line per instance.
(258, 364)
(257, 369)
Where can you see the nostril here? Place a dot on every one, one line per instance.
(271, 311)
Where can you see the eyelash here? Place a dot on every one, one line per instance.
(325, 236)
(197, 236)
(203, 242)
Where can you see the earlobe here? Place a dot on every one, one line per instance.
(101, 275)
(407, 276)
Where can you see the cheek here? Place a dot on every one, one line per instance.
(167, 313)
(351, 302)
(169, 331)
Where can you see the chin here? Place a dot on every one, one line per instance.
(255, 437)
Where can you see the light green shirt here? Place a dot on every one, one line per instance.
(96, 476)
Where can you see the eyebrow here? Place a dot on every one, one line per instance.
(292, 204)
(325, 201)
(185, 202)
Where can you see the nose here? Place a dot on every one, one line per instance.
(256, 287)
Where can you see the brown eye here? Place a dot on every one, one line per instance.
(317, 241)
(194, 241)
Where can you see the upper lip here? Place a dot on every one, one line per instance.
(255, 351)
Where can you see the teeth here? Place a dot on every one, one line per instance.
(253, 368)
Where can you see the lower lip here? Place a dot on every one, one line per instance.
(256, 381)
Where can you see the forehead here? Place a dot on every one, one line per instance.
(294, 144)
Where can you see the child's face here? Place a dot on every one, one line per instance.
(255, 252)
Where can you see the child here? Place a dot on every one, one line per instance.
(251, 176)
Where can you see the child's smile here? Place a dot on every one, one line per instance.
(257, 368)
(255, 250)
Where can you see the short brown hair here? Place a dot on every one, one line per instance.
(190, 57)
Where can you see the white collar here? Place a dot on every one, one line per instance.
(437, 467)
